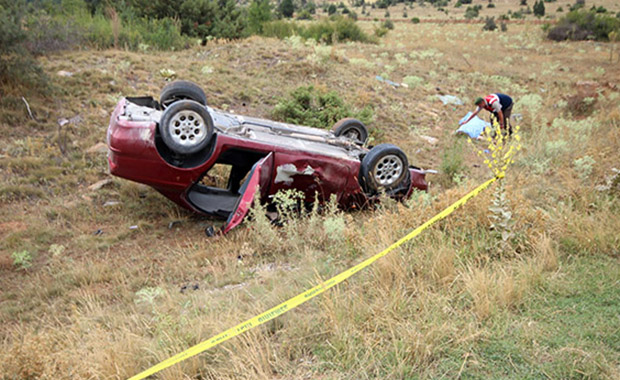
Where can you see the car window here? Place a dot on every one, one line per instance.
(218, 176)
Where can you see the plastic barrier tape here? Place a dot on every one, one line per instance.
(308, 294)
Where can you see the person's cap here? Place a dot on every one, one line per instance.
(478, 100)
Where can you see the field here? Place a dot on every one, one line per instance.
(102, 278)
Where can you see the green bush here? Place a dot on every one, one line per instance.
(163, 34)
(472, 12)
(381, 31)
(452, 163)
(280, 29)
(320, 109)
(17, 64)
(539, 8)
(489, 24)
(333, 30)
(259, 12)
(304, 15)
(584, 25)
(286, 8)
(327, 30)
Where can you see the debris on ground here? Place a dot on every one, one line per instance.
(450, 99)
(63, 73)
(74, 120)
(474, 127)
(387, 81)
(429, 139)
(98, 185)
(189, 287)
(174, 223)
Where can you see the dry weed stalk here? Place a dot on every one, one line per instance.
(501, 149)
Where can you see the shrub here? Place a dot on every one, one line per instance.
(413, 81)
(22, 259)
(583, 166)
(578, 5)
(335, 29)
(310, 7)
(582, 25)
(489, 24)
(163, 34)
(539, 8)
(381, 31)
(259, 12)
(286, 8)
(280, 29)
(304, 15)
(49, 34)
(382, 4)
(472, 12)
(580, 105)
(415, 20)
(320, 109)
(452, 163)
(17, 64)
(388, 24)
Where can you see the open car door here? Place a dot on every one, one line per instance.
(259, 177)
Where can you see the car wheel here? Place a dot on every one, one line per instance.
(186, 127)
(352, 129)
(180, 90)
(385, 166)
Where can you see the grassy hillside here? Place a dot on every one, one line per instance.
(84, 294)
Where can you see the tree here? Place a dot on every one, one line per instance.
(259, 12)
(287, 8)
(17, 65)
(539, 8)
(230, 22)
(489, 24)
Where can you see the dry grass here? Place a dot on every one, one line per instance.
(102, 300)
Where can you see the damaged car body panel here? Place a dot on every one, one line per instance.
(213, 162)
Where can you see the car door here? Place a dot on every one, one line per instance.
(259, 177)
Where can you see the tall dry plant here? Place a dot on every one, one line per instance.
(115, 23)
(500, 152)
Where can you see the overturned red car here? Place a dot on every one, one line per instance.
(213, 162)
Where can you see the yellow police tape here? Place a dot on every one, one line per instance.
(308, 294)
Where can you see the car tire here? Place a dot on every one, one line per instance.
(181, 90)
(384, 166)
(352, 129)
(186, 127)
